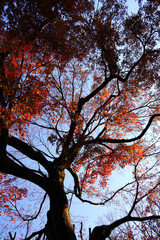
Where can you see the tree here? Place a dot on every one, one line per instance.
(88, 77)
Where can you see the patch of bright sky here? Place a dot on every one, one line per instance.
(132, 6)
(92, 215)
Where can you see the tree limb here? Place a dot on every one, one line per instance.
(101, 140)
(28, 151)
(104, 231)
(40, 232)
(77, 189)
(11, 167)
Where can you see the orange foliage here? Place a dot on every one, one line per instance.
(10, 193)
(90, 78)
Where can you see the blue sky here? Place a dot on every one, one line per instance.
(94, 215)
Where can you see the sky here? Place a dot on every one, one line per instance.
(92, 215)
(132, 6)
(96, 215)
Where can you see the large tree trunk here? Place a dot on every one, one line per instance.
(58, 225)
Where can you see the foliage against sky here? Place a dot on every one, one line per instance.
(90, 78)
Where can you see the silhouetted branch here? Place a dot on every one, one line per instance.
(10, 235)
(101, 140)
(104, 231)
(40, 232)
(27, 150)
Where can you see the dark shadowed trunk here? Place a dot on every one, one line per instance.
(58, 225)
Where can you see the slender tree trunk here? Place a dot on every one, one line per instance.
(58, 225)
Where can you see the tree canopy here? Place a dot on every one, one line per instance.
(85, 75)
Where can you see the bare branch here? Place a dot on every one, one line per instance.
(77, 189)
(103, 140)
(31, 218)
(11, 167)
(137, 190)
(28, 151)
(40, 232)
(104, 231)
(108, 199)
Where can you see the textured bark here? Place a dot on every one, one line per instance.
(58, 225)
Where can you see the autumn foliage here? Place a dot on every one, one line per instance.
(85, 76)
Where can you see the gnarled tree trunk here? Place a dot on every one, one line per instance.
(58, 225)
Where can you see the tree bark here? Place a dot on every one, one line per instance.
(58, 225)
(100, 233)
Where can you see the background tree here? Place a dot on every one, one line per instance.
(88, 77)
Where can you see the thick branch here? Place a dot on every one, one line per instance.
(101, 140)
(10, 167)
(3, 140)
(104, 231)
(82, 101)
(130, 218)
(40, 232)
(141, 219)
(28, 151)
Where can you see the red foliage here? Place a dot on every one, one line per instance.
(10, 193)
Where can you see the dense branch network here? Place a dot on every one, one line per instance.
(79, 75)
